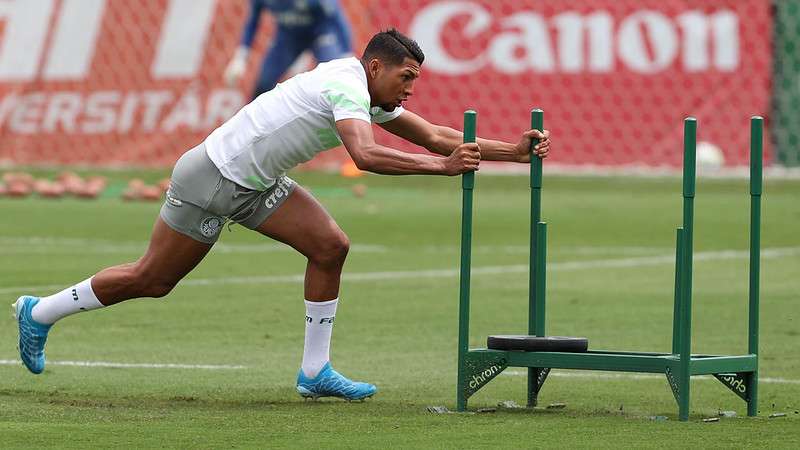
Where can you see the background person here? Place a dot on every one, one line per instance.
(316, 25)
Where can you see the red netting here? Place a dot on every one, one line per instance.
(615, 77)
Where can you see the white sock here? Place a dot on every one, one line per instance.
(319, 326)
(71, 300)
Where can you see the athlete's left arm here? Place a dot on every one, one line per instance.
(443, 140)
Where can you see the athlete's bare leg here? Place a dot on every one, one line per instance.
(169, 257)
(303, 223)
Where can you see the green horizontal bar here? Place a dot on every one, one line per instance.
(722, 364)
(618, 352)
(625, 361)
(634, 353)
(588, 361)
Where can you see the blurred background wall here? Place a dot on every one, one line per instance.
(114, 82)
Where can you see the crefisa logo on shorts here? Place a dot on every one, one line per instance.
(280, 190)
(210, 226)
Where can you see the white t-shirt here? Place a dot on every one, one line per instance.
(290, 124)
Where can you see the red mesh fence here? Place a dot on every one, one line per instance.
(112, 82)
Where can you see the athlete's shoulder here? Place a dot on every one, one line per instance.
(342, 72)
(342, 85)
(350, 65)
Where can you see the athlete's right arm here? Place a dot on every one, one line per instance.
(360, 143)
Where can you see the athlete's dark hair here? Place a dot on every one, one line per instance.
(392, 47)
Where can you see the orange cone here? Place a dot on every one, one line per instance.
(350, 170)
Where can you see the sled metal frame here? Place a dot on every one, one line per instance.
(476, 367)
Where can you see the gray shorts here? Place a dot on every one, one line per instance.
(200, 200)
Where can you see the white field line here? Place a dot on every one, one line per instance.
(513, 373)
(561, 250)
(636, 262)
(637, 376)
(15, 362)
(57, 245)
(49, 245)
(773, 172)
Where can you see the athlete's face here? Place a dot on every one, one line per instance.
(392, 84)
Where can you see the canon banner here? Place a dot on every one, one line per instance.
(111, 82)
(615, 77)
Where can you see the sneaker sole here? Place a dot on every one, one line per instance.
(305, 393)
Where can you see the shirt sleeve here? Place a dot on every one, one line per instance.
(347, 101)
(381, 116)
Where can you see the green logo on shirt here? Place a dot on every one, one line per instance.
(346, 97)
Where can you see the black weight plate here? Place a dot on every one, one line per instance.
(538, 343)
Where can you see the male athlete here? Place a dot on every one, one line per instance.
(239, 174)
(300, 25)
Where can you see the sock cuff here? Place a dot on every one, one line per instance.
(86, 294)
(309, 303)
(320, 310)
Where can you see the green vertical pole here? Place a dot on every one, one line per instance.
(684, 372)
(536, 309)
(676, 311)
(467, 185)
(536, 271)
(756, 140)
(541, 274)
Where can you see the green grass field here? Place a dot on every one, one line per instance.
(241, 311)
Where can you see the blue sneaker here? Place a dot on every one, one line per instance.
(330, 383)
(32, 334)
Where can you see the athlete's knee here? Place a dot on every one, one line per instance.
(333, 250)
(337, 247)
